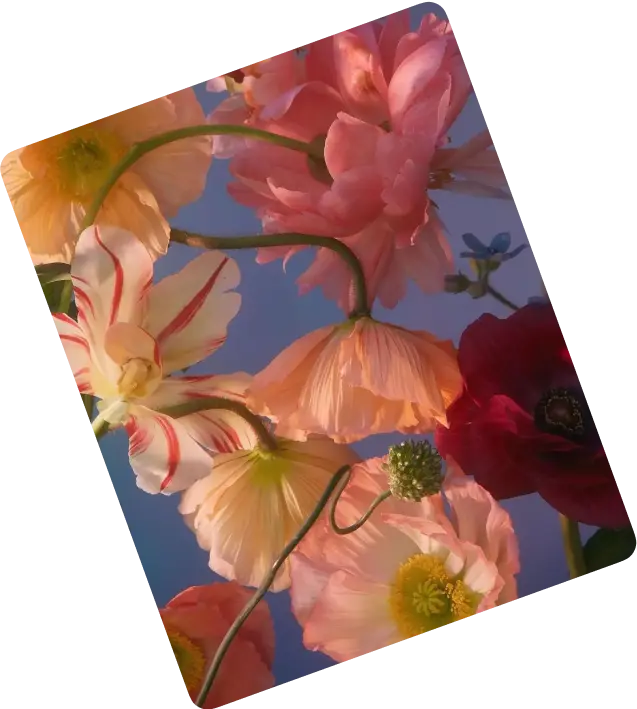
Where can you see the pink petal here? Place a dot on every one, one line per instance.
(483, 522)
(359, 74)
(413, 76)
(188, 312)
(351, 618)
(305, 112)
(395, 27)
(76, 349)
(429, 259)
(112, 270)
(164, 457)
(350, 143)
(234, 111)
(353, 201)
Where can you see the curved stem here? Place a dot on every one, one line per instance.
(88, 401)
(357, 525)
(573, 547)
(502, 299)
(65, 297)
(216, 402)
(146, 146)
(361, 306)
(100, 426)
(265, 585)
(47, 278)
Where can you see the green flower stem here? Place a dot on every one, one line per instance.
(573, 547)
(65, 298)
(361, 307)
(216, 402)
(502, 299)
(357, 525)
(89, 402)
(47, 278)
(265, 585)
(138, 150)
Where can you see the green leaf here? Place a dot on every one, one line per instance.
(607, 547)
(86, 402)
(57, 296)
(55, 284)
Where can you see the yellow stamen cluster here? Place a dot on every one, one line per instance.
(84, 159)
(190, 658)
(425, 596)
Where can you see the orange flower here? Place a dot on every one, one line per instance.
(196, 621)
(359, 378)
(52, 183)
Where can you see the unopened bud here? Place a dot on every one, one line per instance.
(414, 470)
(456, 283)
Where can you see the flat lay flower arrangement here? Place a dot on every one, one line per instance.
(340, 149)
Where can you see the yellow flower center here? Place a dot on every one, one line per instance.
(84, 159)
(139, 378)
(268, 468)
(425, 596)
(190, 658)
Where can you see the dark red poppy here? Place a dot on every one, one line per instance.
(522, 423)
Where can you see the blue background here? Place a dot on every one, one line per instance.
(272, 316)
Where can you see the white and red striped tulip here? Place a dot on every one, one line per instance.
(132, 334)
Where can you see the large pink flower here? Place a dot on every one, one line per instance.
(382, 99)
(411, 568)
(131, 335)
(374, 197)
(378, 72)
(196, 621)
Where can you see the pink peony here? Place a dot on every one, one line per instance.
(411, 568)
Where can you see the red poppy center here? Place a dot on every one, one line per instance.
(562, 412)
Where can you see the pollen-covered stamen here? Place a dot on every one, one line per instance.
(84, 161)
(425, 595)
(562, 412)
(190, 658)
(137, 375)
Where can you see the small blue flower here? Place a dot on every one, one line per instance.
(498, 249)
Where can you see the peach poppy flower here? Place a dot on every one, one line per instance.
(254, 502)
(196, 621)
(51, 183)
(359, 378)
(409, 569)
(131, 334)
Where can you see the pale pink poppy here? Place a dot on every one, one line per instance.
(131, 335)
(359, 378)
(196, 621)
(409, 569)
(254, 501)
(51, 183)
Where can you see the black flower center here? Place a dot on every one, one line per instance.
(564, 412)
